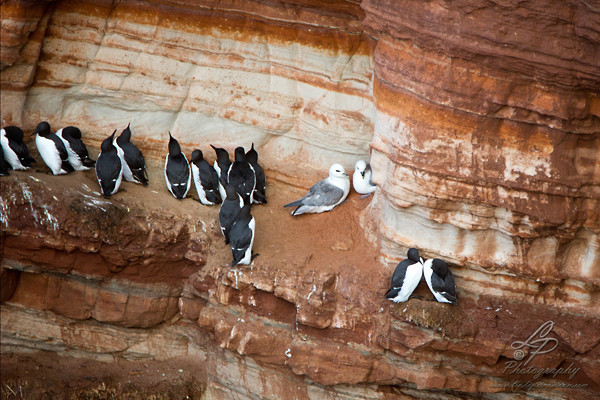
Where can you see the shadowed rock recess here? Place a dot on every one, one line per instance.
(482, 123)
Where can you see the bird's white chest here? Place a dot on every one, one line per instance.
(411, 281)
(49, 153)
(362, 184)
(343, 184)
(10, 155)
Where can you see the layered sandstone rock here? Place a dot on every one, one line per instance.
(483, 123)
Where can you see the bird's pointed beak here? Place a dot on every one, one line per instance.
(345, 174)
(362, 173)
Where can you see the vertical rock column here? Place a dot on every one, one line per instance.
(487, 136)
(23, 28)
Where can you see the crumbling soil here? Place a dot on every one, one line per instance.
(46, 375)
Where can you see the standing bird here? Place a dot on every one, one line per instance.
(78, 152)
(230, 209)
(260, 196)
(109, 168)
(177, 170)
(14, 150)
(242, 237)
(205, 179)
(4, 166)
(324, 195)
(221, 165)
(241, 175)
(406, 277)
(361, 179)
(134, 165)
(440, 280)
(52, 149)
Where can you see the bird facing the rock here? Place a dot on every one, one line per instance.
(109, 169)
(406, 277)
(205, 179)
(221, 165)
(52, 149)
(78, 153)
(242, 176)
(230, 209)
(242, 237)
(324, 195)
(177, 170)
(134, 164)
(440, 280)
(260, 191)
(14, 150)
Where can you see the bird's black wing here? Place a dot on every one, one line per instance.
(437, 283)
(242, 177)
(208, 176)
(135, 160)
(108, 168)
(22, 152)
(240, 238)
(449, 284)
(261, 184)
(227, 215)
(241, 234)
(399, 274)
(178, 170)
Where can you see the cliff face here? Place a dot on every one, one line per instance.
(483, 126)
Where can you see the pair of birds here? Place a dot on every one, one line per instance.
(63, 151)
(328, 193)
(408, 273)
(118, 159)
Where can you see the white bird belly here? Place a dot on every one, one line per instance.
(49, 154)
(411, 281)
(10, 156)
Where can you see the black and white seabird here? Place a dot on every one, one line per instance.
(78, 153)
(134, 165)
(4, 166)
(241, 175)
(205, 179)
(52, 149)
(406, 277)
(361, 179)
(440, 280)
(324, 195)
(242, 237)
(177, 170)
(221, 165)
(14, 149)
(230, 209)
(109, 168)
(260, 196)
